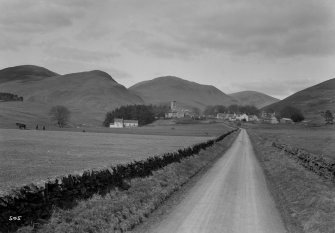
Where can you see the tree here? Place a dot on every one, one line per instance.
(293, 113)
(329, 118)
(234, 108)
(60, 114)
(214, 109)
(196, 111)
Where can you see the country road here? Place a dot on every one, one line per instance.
(231, 197)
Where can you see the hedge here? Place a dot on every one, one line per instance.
(35, 203)
(320, 165)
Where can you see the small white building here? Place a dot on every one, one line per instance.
(120, 123)
(286, 121)
(174, 114)
(130, 123)
(242, 117)
(253, 118)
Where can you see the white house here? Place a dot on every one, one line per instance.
(286, 120)
(130, 123)
(269, 118)
(242, 117)
(120, 123)
(253, 118)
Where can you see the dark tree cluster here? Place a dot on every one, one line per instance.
(214, 109)
(291, 112)
(145, 114)
(159, 110)
(4, 96)
(234, 108)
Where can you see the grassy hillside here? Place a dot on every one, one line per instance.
(25, 73)
(88, 95)
(165, 89)
(311, 101)
(254, 98)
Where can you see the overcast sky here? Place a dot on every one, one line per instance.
(274, 46)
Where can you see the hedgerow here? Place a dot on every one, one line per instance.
(318, 164)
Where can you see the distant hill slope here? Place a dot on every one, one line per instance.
(89, 95)
(254, 98)
(311, 101)
(25, 73)
(162, 90)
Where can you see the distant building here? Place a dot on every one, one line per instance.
(253, 118)
(221, 116)
(286, 121)
(242, 117)
(174, 114)
(269, 118)
(120, 123)
(177, 111)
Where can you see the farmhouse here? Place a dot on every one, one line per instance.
(269, 118)
(130, 123)
(242, 117)
(286, 121)
(120, 123)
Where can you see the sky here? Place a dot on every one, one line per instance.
(276, 47)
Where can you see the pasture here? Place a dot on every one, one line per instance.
(28, 156)
(318, 140)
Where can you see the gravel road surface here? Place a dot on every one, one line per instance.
(231, 197)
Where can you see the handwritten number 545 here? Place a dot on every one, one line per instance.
(15, 218)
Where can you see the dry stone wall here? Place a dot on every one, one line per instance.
(35, 203)
(320, 165)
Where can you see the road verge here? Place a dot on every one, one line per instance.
(305, 200)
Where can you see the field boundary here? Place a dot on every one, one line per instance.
(36, 203)
(305, 200)
(319, 165)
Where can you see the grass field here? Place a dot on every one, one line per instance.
(305, 200)
(319, 140)
(29, 156)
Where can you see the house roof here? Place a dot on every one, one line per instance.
(131, 121)
(118, 120)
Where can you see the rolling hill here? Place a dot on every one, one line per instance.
(88, 95)
(311, 101)
(25, 73)
(162, 90)
(254, 98)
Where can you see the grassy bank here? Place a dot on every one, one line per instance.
(318, 140)
(305, 200)
(120, 211)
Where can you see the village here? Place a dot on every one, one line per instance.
(178, 111)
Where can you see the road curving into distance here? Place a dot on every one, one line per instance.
(232, 197)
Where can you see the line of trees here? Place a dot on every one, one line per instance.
(4, 96)
(145, 114)
(234, 108)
